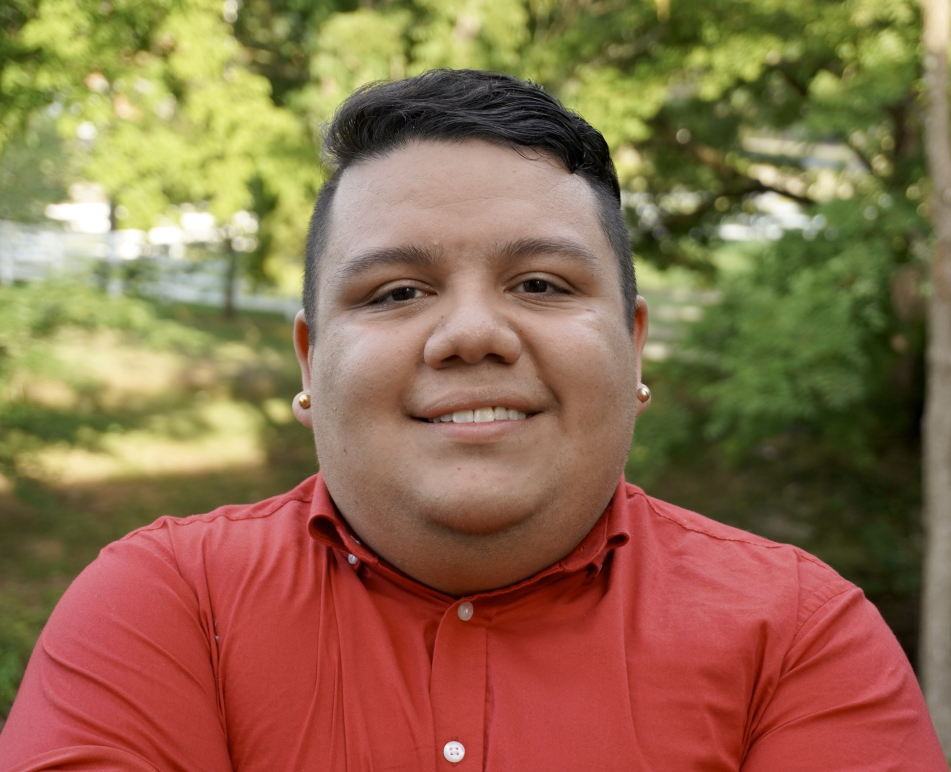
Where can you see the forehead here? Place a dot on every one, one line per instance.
(463, 197)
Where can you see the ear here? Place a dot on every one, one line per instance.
(303, 350)
(638, 339)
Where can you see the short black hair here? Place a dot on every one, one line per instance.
(455, 106)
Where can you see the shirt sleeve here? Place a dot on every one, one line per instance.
(846, 699)
(122, 676)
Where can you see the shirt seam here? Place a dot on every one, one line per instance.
(770, 546)
(805, 621)
(181, 522)
(782, 671)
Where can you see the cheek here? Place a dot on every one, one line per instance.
(357, 374)
(591, 381)
(596, 377)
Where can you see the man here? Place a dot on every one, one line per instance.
(466, 585)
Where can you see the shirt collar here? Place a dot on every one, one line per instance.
(326, 526)
(612, 531)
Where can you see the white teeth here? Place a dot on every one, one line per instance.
(481, 415)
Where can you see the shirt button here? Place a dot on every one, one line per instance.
(465, 614)
(353, 559)
(454, 751)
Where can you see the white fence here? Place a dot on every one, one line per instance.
(124, 260)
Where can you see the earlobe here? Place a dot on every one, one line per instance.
(643, 394)
(301, 407)
(301, 404)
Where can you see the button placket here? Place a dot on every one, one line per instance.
(458, 688)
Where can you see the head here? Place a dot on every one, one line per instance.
(471, 337)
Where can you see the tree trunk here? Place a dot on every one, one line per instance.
(935, 652)
(231, 279)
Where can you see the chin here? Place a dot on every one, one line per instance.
(478, 514)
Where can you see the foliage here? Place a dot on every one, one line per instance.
(155, 99)
(19, 98)
(807, 335)
(33, 173)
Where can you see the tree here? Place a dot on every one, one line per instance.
(34, 171)
(171, 115)
(19, 98)
(936, 429)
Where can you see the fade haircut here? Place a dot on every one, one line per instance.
(455, 106)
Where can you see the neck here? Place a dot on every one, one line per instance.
(464, 563)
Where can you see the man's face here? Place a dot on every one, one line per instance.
(473, 374)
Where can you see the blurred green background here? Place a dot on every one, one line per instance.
(771, 159)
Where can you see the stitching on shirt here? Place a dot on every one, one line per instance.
(783, 673)
(191, 520)
(820, 607)
(771, 546)
(686, 527)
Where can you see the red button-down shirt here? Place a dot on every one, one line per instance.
(265, 637)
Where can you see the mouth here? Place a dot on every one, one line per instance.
(479, 415)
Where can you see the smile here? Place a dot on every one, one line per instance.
(480, 415)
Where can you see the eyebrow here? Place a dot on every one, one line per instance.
(404, 255)
(412, 255)
(522, 248)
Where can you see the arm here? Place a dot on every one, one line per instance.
(122, 676)
(846, 699)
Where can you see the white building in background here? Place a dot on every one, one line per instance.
(87, 210)
(85, 242)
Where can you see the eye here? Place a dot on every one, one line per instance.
(538, 286)
(400, 295)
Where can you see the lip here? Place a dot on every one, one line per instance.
(478, 434)
(450, 403)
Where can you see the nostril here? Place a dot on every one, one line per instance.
(471, 341)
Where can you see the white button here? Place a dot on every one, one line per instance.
(353, 560)
(465, 614)
(454, 751)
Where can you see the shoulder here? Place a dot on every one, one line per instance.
(276, 517)
(214, 554)
(712, 554)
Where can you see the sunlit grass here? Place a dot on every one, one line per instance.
(218, 436)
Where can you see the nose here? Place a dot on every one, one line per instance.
(473, 327)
